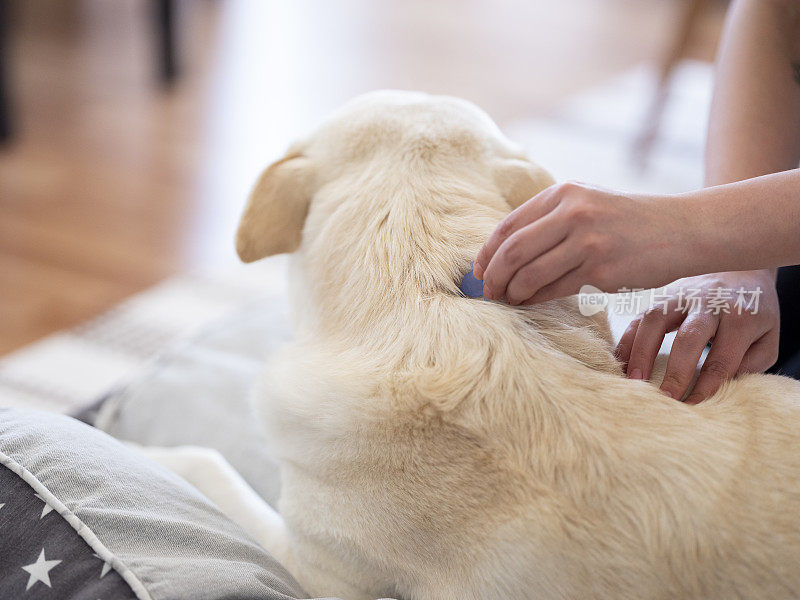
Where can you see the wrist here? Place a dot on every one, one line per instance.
(689, 233)
(716, 232)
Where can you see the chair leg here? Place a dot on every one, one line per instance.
(164, 13)
(5, 103)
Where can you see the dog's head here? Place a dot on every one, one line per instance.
(384, 206)
(387, 138)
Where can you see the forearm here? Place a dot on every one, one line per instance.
(754, 125)
(726, 220)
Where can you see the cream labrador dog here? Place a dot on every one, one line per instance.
(436, 447)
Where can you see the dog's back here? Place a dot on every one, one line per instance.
(435, 446)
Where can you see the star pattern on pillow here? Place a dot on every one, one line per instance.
(40, 570)
(43, 557)
(46, 509)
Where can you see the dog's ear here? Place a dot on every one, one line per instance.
(520, 180)
(272, 222)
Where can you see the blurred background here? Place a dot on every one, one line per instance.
(133, 129)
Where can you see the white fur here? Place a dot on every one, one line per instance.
(437, 447)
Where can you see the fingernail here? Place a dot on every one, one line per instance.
(693, 399)
(477, 270)
(668, 394)
(635, 374)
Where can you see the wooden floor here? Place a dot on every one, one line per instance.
(113, 183)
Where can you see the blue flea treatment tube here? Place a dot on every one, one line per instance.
(470, 286)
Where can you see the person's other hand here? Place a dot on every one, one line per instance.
(573, 234)
(741, 341)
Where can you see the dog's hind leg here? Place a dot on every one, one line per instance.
(208, 471)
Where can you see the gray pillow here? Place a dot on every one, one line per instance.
(198, 393)
(85, 517)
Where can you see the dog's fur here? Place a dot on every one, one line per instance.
(439, 447)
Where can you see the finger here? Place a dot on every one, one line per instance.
(762, 354)
(570, 283)
(654, 325)
(522, 247)
(535, 275)
(625, 345)
(722, 362)
(527, 213)
(693, 335)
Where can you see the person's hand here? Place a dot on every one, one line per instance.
(741, 340)
(573, 234)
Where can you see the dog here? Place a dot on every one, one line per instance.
(439, 447)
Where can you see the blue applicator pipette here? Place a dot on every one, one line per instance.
(471, 286)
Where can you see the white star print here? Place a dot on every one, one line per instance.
(40, 570)
(47, 508)
(106, 565)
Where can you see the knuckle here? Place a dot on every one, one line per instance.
(773, 318)
(567, 187)
(605, 245)
(506, 227)
(674, 381)
(515, 293)
(763, 361)
(600, 276)
(771, 358)
(512, 297)
(581, 211)
(528, 277)
(653, 315)
(640, 358)
(738, 318)
(692, 333)
(521, 288)
(597, 244)
(512, 250)
(717, 368)
(689, 342)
